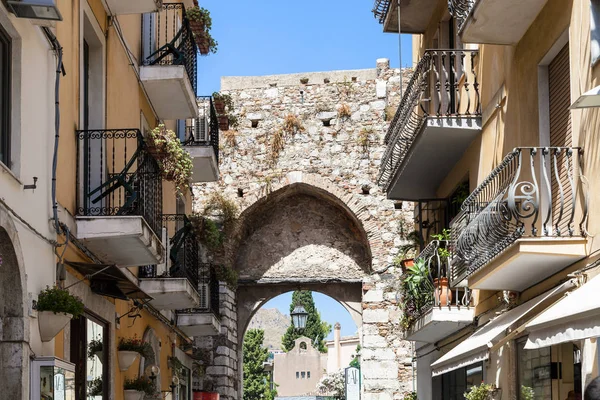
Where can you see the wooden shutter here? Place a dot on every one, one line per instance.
(559, 80)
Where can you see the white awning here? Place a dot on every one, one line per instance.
(476, 347)
(575, 317)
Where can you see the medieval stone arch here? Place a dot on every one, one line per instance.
(14, 324)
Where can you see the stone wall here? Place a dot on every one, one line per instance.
(316, 199)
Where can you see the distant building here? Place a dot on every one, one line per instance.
(340, 350)
(297, 372)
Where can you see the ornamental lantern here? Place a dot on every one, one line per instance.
(299, 317)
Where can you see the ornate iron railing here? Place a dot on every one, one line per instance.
(436, 256)
(460, 10)
(204, 130)
(444, 84)
(208, 288)
(380, 10)
(168, 40)
(118, 176)
(534, 192)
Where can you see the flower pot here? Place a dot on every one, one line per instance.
(50, 324)
(126, 358)
(219, 106)
(203, 45)
(159, 153)
(443, 295)
(100, 355)
(197, 26)
(133, 395)
(223, 123)
(405, 264)
(206, 396)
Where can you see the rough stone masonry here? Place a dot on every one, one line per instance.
(344, 116)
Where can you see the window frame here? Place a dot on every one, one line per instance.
(594, 33)
(5, 93)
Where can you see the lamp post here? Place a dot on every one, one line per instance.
(299, 317)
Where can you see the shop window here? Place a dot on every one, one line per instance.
(534, 372)
(453, 385)
(5, 57)
(89, 344)
(595, 30)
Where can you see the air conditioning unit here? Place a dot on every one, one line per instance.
(201, 133)
(35, 9)
(204, 292)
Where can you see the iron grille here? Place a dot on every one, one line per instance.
(204, 130)
(118, 176)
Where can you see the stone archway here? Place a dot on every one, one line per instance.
(14, 325)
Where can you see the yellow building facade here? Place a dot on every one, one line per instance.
(489, 111)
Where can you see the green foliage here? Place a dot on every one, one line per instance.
(141, 384)
(316, 329)
(416, 290)
(217, 204)
(481, 392)
(176, 366)
(527, 393)
(94, 346)
(415, 241)
(443, 252)
(411, 396)
(135, 344)
(355, 361)
(95, 387)
(225, 98)
(59, 300)
(202, 15)
(460, 194)
(176, 163)
(256, 380)
(226, 273)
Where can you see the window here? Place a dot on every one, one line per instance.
(453, 385)
(5, 57)
(303, 374)
(534, 372)
(595, 30)
(297, 375)
(308, 374)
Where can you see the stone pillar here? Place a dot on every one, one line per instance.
(337, 336)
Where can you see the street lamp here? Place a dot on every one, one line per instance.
(299, 317)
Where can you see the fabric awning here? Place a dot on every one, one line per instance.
(110, 280)
(575, 317)
(476, 347)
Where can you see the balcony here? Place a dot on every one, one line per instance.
(445, 309)
(169, 65)
(525, 222)
(414, 15)
(494, 22)
(120, 198)
(204, 320)
(118, 7)
(202, 142)
(174, 284)
(438, 118)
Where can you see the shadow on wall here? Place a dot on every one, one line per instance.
(297, 233)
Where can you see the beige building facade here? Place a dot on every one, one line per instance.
(341, 350)
(297, 372)
(487, 145)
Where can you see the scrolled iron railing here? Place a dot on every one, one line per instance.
(380, 10)
(534, 192)
(460, 10)
(444, 84)
(167, 39)
(437, 255)
(208, 288)
(118, 176)
(205, 128)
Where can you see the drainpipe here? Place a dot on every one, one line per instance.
(400, 49)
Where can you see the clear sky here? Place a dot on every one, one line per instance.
(331, 311)
(264, 37)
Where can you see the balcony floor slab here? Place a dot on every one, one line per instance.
(198, 324)
(170, 91)
(440, 322)
(118, 7)
(206, 167)
(125, 241)
(527, 262)
(170, 293)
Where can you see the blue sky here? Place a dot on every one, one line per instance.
(265, 37)
(331, 311)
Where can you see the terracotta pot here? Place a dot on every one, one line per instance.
(51, 324)
(159, 153)
(133, 395)
(219, 106)
(443, 296)
(206, 396)
(223, 123)
(405, 264)
(197, 26)
(126, 358)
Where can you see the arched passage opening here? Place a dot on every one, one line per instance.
(296, 360)
(14, 329)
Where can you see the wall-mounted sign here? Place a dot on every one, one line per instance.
(352, 378)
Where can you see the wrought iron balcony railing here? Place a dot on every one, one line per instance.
(168, 40)
(204, 130)
(444, 84)
(118, 176)
(460, 10)
(436, 255)
(380, 9)
(534, 192)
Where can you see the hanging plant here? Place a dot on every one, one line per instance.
(140, 384)
(227, 274)
(95, 387)
(136, 345)
(95, 347)
(201, 24)
(56, 307)
(176, 163)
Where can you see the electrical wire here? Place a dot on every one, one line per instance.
(51, 242)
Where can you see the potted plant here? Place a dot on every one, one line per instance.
(137, 388)
(414, 243)
(443, 296)
(223, 103)
(200, 25)
(175, 162)
(416, 292)
(95, 387)
(55, 308)
(95, 349)
(482, 392)
(129, 349)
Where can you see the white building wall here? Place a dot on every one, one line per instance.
(347, 350)
(425, 357)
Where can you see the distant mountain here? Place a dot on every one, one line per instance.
(274, 323)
